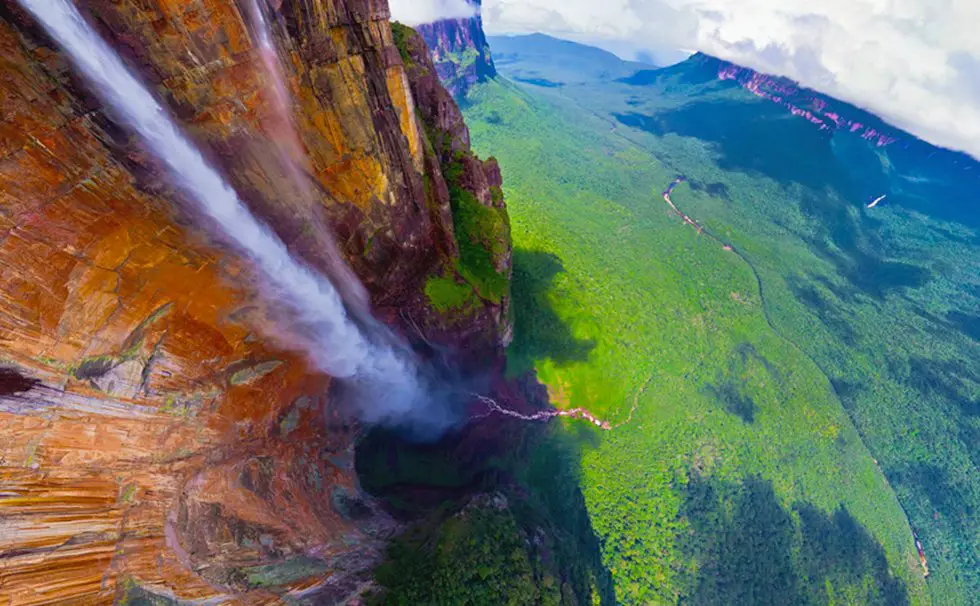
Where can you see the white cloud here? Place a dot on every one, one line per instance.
(415, 12)
(916, 63)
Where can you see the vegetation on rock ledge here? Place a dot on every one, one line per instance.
(483, 234)
(449, 296)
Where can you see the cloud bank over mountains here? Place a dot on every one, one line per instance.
(414, 12)
(915, 63)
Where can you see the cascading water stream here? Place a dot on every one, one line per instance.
(270, 59)
(319, 323)
(293, 156)
(493, 407)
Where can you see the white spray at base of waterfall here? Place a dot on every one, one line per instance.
(319, 325)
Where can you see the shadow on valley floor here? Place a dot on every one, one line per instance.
(951, 499)
(952, 380)
(539, 333)
(750, 550)
(495, 514)
(464, 544)
(851, 242)
(968, 324)
(729, 388)
(807, 292)
(729, 393)
(717, 189)
(752, 137)
(946, 494)
(762, 139)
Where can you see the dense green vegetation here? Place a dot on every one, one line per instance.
(448, 296)
(790, 387)
(751, 550)
(499, 522)
(475, 557)
(483, 234)
(825, 331)
(401, 33)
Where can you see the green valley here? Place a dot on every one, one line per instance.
(786, 378)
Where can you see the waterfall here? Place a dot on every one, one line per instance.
(383, 373)
(292, 156)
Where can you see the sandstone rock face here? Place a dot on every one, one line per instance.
(152, 444)
(460, 51)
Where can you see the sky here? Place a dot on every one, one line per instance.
(915, 63)
(414, 12)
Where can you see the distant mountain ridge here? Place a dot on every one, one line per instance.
(823, 111)
(521, 57)
(816, 108)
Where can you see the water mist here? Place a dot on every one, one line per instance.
(388, 384)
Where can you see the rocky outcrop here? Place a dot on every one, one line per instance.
(822, 111)
(475, 291)
(152, 445)
(460, 51)
(807, 104)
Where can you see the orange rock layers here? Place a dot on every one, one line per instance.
(151, 444)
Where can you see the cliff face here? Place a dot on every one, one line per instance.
(474, 295)
(824, 112)
(460, 51)
(151, 442)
